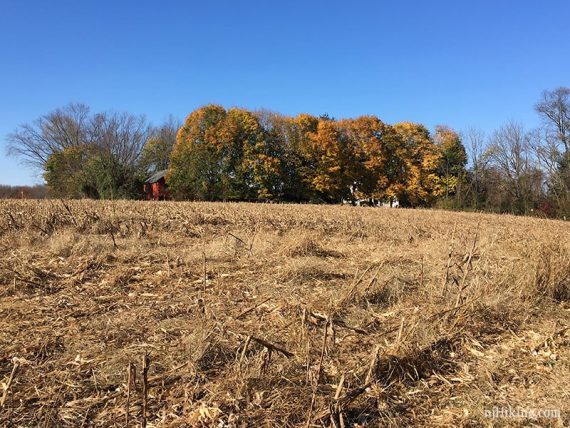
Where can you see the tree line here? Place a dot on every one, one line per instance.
(237, 154)
(38, 191)
(519, 171)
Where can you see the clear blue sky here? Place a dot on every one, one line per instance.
(461, 63)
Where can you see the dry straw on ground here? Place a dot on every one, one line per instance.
(198, 314)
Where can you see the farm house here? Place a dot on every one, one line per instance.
(155, 187)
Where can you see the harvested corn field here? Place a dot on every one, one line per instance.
(231, 315)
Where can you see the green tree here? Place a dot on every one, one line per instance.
(65, 174)
(302, 156)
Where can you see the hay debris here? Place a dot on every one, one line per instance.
(203, 314)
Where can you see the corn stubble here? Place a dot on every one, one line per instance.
(230, 315)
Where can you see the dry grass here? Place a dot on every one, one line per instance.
(279, 315)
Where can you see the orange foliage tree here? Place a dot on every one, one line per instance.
(374, 146)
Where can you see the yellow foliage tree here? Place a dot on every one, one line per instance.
(419, 183)
(337, 166)
(453, 158)
(375, 145)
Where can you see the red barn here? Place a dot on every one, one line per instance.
(155, 187)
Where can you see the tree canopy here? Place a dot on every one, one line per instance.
(236, 154)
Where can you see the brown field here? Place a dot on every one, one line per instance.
(279, 315)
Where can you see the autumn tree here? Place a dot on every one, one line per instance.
(289, 140)
(453, 158)
(251, 165)
(195, 163)
(302, 154)
(374, 145)
(336, 166)
(414, 179)
(223, 154)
